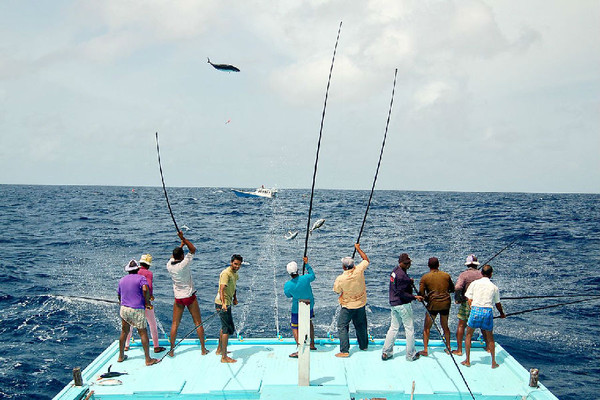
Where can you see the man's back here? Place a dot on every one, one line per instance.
(351, 285)
(483, 293)
(131, 292)
(300, 288)
(436, 285)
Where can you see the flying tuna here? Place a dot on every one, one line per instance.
(224, 67)
(319, 223)
(290, 235)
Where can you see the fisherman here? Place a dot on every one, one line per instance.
(401, 296)
(482, 294)
(436, 286)
(226, 298)
(183, 289)
(462, 284)
(298, 288)
(145, 263)
(351, 287)
(134, 297)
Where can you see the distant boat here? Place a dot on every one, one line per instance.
(259, 192)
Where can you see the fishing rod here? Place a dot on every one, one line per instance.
(549, 296)
(497, 254)
(447, 344)
(312, 190)
(378, 164)
(91, 298)
(550, 306)
(189, 333)
(163, 184)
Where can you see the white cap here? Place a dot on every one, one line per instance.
(348, 262)
(292, 268)
(132, 266)
(472, 260)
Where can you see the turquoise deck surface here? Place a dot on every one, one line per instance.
(264, 371)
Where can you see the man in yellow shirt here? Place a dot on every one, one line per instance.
(351, 287)
(226, 297)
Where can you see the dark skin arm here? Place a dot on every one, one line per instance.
(499, 307)
(187, 243)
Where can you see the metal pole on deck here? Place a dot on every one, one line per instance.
(303, 342)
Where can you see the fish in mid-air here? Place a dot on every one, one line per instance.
(224, 67)
(290, 235)
(319, 223)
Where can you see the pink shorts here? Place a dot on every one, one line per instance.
(187, 301)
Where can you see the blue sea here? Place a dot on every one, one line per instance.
(58, 243)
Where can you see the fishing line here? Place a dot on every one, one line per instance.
(276, 301)
(163, 184)
(447, 345)
(550, 306)
(378, 164)
(90, 298)
(189, 333)
(312, 190)
(549, 296)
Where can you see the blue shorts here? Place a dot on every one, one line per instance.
(295, 319)
(481, 317)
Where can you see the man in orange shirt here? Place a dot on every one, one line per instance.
(351, 287)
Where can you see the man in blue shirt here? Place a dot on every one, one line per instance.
(298, 288)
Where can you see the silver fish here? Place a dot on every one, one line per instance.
(319, 223)
(290, 235)
(109, 382)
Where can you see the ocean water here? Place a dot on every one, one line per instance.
(57, 242)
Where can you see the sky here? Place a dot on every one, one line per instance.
(500, 96)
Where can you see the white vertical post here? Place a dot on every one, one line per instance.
(303, 343)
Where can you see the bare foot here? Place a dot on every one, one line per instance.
(159, 349)
(342, 355)
(457, 352)
(228, 360)
(495, 365)
(294, 355)
(466, 363)
(488, 350)
(126, 349)
(219, 352)
(313, 348)
(205, 351)
(171, 353)
(152, 362)
(447, 351)
(121, 359)
(424, 353)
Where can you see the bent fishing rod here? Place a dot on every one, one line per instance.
(497, 254)
(163, 184)
(312, 190)
(447, 344)
(189, 333)
(378, 163)
(550, 306)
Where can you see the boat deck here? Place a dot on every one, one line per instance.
(264, 371)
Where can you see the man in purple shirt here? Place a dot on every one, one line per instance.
(134, 297)
(401, 297)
